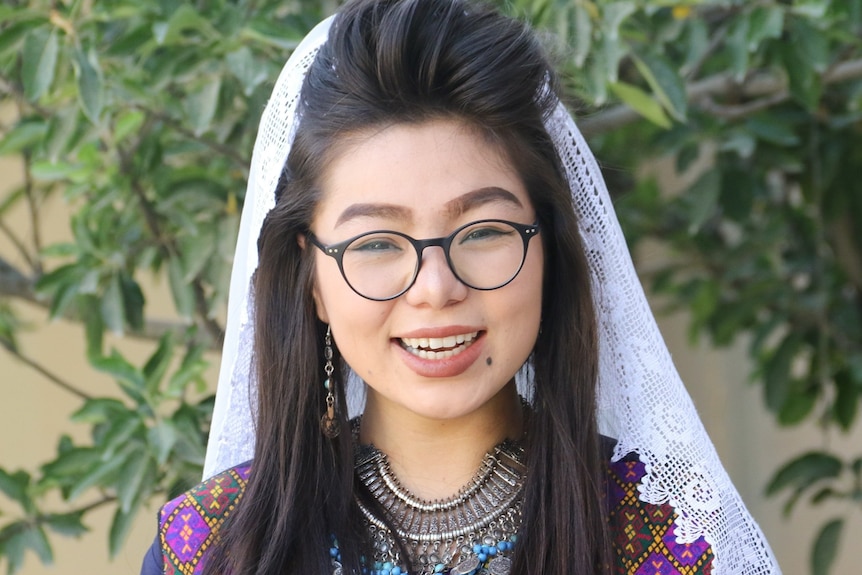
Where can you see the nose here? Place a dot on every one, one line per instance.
(436, 285)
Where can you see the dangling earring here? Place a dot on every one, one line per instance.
(329, 423)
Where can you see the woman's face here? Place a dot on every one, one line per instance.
(426, 180)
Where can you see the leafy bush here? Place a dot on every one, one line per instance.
(140, 115)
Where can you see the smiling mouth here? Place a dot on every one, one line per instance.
(438, 347)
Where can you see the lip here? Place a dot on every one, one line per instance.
(443, 331)
(444, 367)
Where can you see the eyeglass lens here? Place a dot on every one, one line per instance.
(484, 255)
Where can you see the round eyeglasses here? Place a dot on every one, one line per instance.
(382, 265)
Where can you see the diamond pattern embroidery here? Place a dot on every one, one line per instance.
(643, 534)
(189, 523)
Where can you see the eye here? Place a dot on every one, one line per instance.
(377, 244)
(485, 232)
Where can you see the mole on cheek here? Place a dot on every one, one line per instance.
(489, 361)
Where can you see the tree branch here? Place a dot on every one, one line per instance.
(33, 210)
(169, 249)
(19, 245)
(42, 518)
(222, 149)
(53, 378)
(702, 92)
(17, 285)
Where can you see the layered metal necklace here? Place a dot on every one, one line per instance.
(470, 533)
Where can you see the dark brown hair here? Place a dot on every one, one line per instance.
(389, 62)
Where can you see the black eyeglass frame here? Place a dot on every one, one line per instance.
(336, 252)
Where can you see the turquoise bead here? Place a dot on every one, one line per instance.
(395, 571)
(439, 568)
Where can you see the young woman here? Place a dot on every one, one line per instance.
(434, 233)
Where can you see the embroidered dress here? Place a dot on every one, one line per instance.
(642, 534)
(189, 524)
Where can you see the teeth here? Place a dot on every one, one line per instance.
(426, 347)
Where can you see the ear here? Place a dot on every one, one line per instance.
(319, 307)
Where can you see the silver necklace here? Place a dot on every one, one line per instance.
(472, 532)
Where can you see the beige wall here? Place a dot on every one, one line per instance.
(33, 413)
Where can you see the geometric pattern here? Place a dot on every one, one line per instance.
(643, 534)
(189, 523)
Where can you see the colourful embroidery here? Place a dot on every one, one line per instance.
(643, 534)
(189, 523)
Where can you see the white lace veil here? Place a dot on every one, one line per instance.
(642, 401)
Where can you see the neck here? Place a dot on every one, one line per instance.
(434, 458)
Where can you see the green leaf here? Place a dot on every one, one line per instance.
(39, 61)
(63, 276)
(185, 18)
(14, 540)
(805, 84)
(773, 130)
(120, 432)
(810, 43)
(826, 547)
(613, 16)
(133, 302)
(162, 437)
(90, 85)
(797, 406)
(814, 9)
(122, 523)
(803, 471)
(847, 400)
(701, 199)
(120, 369)
(197, 250)
(10, 37)
(51, 171)
(94, 327)
(665, 83)
(157, 365)
(192, 367)
(127, 123)
(767, 22)
(72, 462)
(14, 486)
(63, 133)
(242, 65)
(737, 46)
(99, 410)
(184, 298)
(112, 306)
(642, 103)
(131, 478)
(583, 39)
(24, 136)
(68, 524)
(97, 474)
(776, 378)
(201, 105)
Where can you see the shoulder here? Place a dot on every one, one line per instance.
(189, 523)
(642, 534)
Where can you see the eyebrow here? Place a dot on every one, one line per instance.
(389, 211)
(454, 207)
(480, 197)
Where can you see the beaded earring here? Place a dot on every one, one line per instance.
(329, 423)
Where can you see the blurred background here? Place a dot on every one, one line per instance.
(730, 135)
